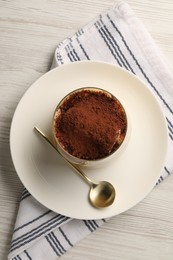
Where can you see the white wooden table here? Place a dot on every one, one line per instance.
(29, 33)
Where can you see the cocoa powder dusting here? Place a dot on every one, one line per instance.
(91, 124)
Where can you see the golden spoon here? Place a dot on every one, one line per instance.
(101, 194)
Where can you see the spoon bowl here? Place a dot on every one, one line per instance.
(101, 194)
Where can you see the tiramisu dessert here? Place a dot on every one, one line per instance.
(90, 123)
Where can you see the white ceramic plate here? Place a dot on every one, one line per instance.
(45, 174)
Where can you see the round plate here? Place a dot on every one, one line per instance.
(46, 175)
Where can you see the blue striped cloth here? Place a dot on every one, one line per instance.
(118, 37)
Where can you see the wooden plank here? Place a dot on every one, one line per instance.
(29, 33)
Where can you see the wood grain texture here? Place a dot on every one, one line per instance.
(29, 33)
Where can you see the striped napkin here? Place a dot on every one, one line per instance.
(118, 37)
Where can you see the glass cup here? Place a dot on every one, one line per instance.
(90, 127)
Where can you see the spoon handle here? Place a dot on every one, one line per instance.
(74, 167)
